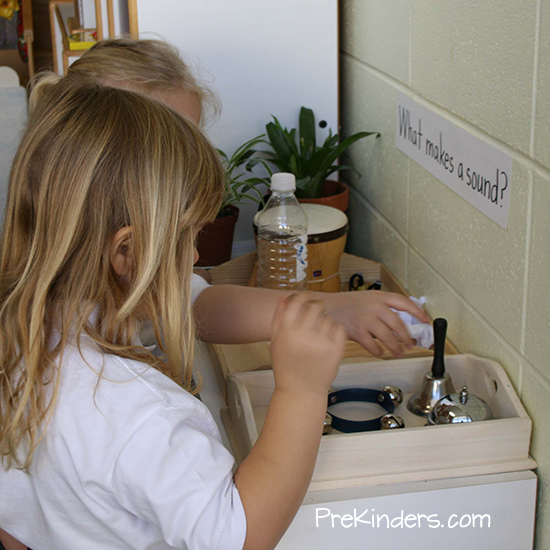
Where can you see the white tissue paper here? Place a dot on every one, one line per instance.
(421, 332)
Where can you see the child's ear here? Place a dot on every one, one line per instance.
(120, 252)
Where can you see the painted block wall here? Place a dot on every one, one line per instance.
(485, 66)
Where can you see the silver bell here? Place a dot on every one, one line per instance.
(460, 407)
(391, 421)
(327, 425)
(395, 393)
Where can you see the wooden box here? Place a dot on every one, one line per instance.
(415, 453)
(228, 358)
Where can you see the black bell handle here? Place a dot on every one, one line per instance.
(440, 332)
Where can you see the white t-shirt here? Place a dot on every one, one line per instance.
(198, 284)
(134, 462)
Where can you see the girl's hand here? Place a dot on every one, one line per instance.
(306, 345)
(366, 315)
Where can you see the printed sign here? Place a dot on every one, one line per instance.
(479, 173)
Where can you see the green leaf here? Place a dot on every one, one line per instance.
(309, 188)
(317, 161)
(254, 162)
(256, 200)
(277, 123)
(247, 155)
(339, 167)
(237, 157)
(337, 151)
(237, 186)
(317, 184)
(256, 181)
(303, 183)
(282, 167)
(279, 143)
(269, 155)
(293, 165)
(307, 132)
(260, 195)
(291, 137)
(311, 164)
(331, 141)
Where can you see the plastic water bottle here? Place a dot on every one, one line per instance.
(282, 238)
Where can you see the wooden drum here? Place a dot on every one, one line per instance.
(327, 233)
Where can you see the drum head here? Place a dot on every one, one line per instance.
(320, 218)
(323, 219)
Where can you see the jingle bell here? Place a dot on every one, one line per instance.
(391, 422)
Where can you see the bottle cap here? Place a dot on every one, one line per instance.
(283, 181)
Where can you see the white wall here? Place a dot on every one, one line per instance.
(262, 58)
(485, 66)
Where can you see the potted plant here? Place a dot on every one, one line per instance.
(215, 240)
(310, 163)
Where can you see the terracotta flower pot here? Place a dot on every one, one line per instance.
(215, 239)
(333, 193)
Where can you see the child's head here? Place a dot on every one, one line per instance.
(151, 67)
(100, 172)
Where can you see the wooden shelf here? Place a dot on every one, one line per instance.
(60, 13)
(415, 453)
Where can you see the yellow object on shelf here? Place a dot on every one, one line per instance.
(80, 39)
(8, 8)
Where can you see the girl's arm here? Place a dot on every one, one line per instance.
(10, 543)
(272, 481)
(231, 314)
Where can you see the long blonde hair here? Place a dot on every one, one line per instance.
(93, 160)
(148, 66)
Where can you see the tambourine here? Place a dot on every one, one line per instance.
(389, 398)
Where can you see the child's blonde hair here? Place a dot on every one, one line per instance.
(93, 160)
(148, 66)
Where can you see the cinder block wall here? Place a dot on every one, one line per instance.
(485, 66)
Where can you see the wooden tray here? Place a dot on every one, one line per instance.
(415, 453)
(228, 358)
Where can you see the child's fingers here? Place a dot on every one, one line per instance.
(369, 343)
(278, 318)
(297, 308)
(329, 326)
(323, 322)
(395, 324)
(385, 335)
(293, 304)
(310, 315)
(400, 302)
(326, 325)
(339, 336)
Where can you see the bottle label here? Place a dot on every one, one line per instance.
(301, 258)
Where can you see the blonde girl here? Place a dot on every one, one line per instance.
(101, 445)
(228, 313)
(152, 67)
